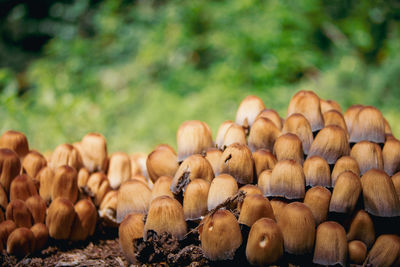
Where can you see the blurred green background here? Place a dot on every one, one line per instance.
(135, 70)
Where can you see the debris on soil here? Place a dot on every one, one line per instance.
(166, 250)
(101, 253)
(189, 256)
(102, 249)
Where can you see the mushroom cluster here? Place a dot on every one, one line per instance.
(320, 187)
(61, 195)
(317, 188)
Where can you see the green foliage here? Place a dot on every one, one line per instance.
(153, 64)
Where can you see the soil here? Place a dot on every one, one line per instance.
(100, 250)
(101, 253)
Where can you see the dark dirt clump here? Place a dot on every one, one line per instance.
(166, 250)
